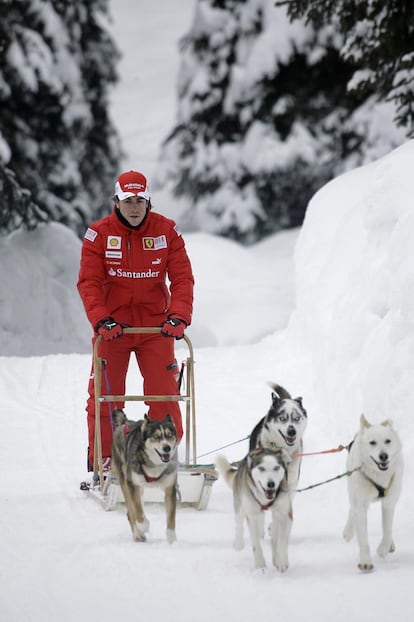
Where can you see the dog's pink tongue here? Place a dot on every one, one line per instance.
(270, 494)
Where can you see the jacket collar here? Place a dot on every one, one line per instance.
(126, 224)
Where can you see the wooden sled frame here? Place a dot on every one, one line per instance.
(194, 481)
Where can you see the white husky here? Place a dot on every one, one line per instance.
(376, 464)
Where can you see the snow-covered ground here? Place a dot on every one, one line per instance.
(332, 322)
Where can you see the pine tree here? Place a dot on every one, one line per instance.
(260, 119)
(58, 149)
(378, 38)
(264, 119)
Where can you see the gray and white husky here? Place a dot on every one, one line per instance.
(283, 426)
(259, 484)
(375, 460)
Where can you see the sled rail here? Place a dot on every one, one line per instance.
(188, 397)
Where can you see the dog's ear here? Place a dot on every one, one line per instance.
(118, 417)
(145, 423)
(364, 422)
(299, 400)
(387, 422)
(170, 421)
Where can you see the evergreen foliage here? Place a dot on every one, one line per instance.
(378, 38)
(265, 118)
(59, 152)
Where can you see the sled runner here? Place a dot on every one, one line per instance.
(194, 480)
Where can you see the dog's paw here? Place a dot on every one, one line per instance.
(139, 529)
(385, 547)
(281, 564)
(171, 537)
(366, 567)
(138, 535)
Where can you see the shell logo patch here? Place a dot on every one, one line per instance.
(113, 241)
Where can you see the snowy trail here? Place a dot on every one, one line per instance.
(73, 557)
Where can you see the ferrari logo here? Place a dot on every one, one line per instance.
(148, 242)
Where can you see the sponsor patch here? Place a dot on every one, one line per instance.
(90, 234)
(114, 254)
(132, 274)
(154, 243)
(113, 241)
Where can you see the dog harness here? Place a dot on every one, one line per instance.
(148, 478)
(382, 492)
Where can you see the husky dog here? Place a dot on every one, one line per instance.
(376, 466)
(144, 454)
(259, 484)
(283, 426)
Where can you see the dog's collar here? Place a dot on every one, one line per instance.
(382, 492)
(148, 478)
(268, 505)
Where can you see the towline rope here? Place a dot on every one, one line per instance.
(326, 481)
(324, 451)
(298, 455)
(223, 447)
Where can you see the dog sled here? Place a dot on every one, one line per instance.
(194, 480)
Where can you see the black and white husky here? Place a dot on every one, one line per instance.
(376, 467)
(283, 426)
(259, 484)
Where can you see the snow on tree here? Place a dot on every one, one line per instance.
(264, 119)
(59, 151)
(378, 39)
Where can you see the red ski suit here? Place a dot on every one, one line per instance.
(123, 272)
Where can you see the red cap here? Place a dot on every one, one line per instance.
(132, 184)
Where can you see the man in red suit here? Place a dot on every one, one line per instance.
(126, 260)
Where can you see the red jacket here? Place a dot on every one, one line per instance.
(123, 272)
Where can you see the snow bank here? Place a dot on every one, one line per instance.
(354, 313)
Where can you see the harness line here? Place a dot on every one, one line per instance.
(332, 479)
(324, 451)
(223, 447)
(298, 455)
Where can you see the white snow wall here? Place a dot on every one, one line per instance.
(354, 311)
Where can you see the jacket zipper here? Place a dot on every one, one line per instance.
(129, 249)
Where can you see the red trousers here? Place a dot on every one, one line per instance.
(158, 366)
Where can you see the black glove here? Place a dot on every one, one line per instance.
(173, 327)
(109, 329)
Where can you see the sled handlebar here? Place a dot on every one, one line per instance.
(187, 397)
